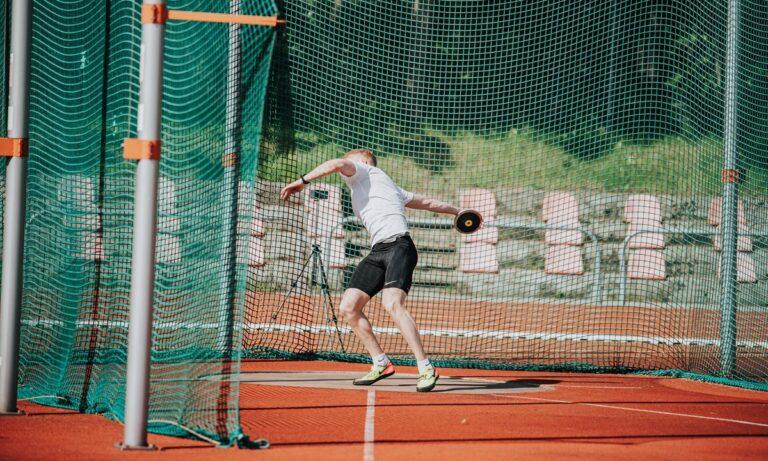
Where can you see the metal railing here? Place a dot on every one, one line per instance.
(597, 286)
(503, 223)
(623, 270)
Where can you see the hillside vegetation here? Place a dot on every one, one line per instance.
(668, 166)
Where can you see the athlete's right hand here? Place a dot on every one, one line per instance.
(292, 188)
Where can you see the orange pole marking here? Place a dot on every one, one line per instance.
(141, 149)
(730, 175)
(14, 147)
(154, 13)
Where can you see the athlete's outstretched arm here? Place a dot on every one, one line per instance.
(338, 165)
(419, 202)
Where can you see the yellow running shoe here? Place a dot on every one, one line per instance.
(427, 380)
(377, 373)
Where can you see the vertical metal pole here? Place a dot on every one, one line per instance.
(230, 160)
(729, 222)
(15, 204)
(598, 272)
(144, 232)
(231, 163)
(611, 69)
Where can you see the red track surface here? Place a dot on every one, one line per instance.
(585, 417)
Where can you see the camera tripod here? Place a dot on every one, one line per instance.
(317, 268)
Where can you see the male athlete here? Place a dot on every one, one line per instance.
(380, 204)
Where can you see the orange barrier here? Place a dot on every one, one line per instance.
(198, 16)
(160, 14)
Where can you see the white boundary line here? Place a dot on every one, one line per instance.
(370, 413)
(641, 410)
(449, 332)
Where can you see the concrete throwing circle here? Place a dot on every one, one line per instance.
(400, 382)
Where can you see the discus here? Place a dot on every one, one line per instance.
(468, 221)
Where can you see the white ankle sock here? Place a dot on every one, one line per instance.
(423, 365)
(381, 360)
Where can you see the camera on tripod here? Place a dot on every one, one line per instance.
(317, 275)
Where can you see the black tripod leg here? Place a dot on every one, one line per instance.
(327, 299)
(294, 284)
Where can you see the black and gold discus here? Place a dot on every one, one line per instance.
(468, 221)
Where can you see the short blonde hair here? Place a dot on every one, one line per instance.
(364, 152)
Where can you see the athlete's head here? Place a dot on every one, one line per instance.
(361, 155)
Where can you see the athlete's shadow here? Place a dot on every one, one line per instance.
(461, 386)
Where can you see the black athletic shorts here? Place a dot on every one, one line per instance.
(388, 265)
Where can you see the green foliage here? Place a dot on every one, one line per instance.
(634, 72)
(584, 142)
(430, 152)
(667, 166)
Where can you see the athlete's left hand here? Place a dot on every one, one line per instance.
(292, 188)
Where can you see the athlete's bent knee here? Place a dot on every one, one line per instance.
(348, 310)
(393, 306)
(351, 306)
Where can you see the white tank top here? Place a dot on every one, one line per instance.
(378, 202)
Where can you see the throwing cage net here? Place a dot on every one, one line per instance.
(83, 103)
(591, 138)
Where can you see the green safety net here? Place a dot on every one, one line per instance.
(591, 136)
(83, 103)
